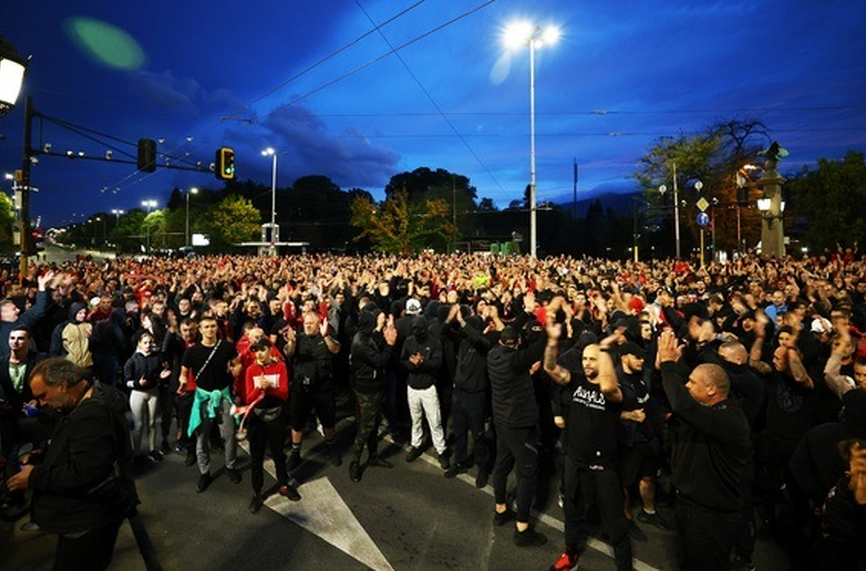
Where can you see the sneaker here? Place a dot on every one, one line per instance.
(156, 455)
(335, 456)
(635, 532)
(289, 492)
(203, 482)
(655, 519)
(30, 526)
(444, 462)
(190, 458)
(501, 518)
(256, 503)
(455, 469)
(354, 471)
(413, 454)
(234, 475)
(481, 479)
(379, 462)
(529, 538)
(566, 561)
(294, 459)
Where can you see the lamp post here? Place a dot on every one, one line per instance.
(147, 204)
(662, 190)
(12, 68)
(273, 154)
(528, 34)
(193, 190)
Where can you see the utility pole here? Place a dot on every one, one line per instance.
(24, 186)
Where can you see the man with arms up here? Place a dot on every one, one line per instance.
(710, 448)
(591, 476)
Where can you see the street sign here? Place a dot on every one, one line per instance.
(703, 204)
(703, 219)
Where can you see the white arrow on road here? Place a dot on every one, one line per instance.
(323, 513)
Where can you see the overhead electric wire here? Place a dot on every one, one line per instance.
(430, 97)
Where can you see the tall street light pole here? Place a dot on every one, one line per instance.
(273, 154)
(193, 190)
(528, 34)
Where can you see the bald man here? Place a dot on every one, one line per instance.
(710, 449)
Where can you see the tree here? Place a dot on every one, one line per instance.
(7, 219)
(231, 221)
(397, 226)
(825, 197)
(714, 156)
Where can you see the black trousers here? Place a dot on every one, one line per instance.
(602, 489)
(272, 434)
(706, 537)
(91, 551)
(370, 414)
(467, 415)
(516, 447)
(183, 405)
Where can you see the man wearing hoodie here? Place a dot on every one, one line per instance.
(421, 358)
(368, 360)
(89, 449)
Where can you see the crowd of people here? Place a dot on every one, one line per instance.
(735, 392)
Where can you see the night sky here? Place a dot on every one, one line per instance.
(361, 90)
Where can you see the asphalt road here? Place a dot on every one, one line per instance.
(406, 518)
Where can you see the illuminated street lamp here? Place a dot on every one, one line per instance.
(12, 68)
(528, 34)
(270, 152)
(193, 190)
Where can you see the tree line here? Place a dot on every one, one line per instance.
(441, 211)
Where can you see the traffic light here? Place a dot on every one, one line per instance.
(225, 163)
(146, 155)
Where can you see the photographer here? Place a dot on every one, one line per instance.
(85, 464)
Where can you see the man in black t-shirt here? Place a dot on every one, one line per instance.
(591, 474)
(214, 364)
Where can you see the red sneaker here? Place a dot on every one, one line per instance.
(566, 561)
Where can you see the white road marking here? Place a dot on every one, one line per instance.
(323, 513)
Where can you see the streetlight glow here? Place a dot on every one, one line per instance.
(527, 34)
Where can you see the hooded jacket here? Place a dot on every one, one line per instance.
(75, 338)
(368, 358)
(423, 375)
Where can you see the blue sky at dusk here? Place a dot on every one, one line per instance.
(361, 90)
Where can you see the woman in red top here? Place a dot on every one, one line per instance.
(266, 389)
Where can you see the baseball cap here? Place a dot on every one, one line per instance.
(631, 348)
(413, 307)
(818, 326)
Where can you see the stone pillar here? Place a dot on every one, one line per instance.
(772, 221)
